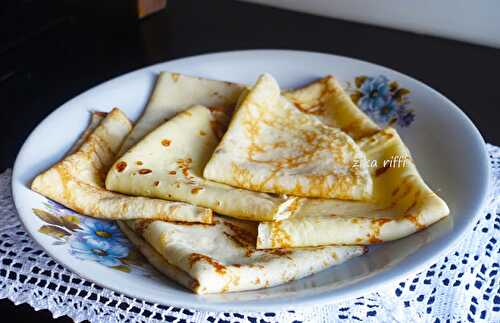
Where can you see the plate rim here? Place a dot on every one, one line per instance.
(321, 298)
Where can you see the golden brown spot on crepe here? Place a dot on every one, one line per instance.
(188, 113)
(354, 221)
(219, 268)
(413, 218)
(279, 144)
(381, 222)
(381, 170)
(141, 225)
(310, 136)
(257, 280)
(195, 190)
(191, 223)
(121, 166)
(139, 163)
(395, 191)
(279, 237)
(202, 133)
(358, 240)
(144, 171)
(172, 172)
(387, 135)
(279, 252)
(166, 142)
(243, 236)
(175, 76)
(249, 250)
(156, 183)
(335, 256)
(373, 239)
(184, 165)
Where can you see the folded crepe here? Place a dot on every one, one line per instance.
(402, 204)
(174, 93)
(78, 180)
(327, 100)
(222, 257)
(271, 146)
(168, 163)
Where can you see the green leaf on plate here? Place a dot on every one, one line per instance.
(53, 231)
(393, 86)
(48, 217)
(125, 269)
(355, 96)
(401, 93)
(360, 80)
(71, 222)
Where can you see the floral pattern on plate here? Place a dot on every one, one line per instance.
(383, 100)
(91, 239)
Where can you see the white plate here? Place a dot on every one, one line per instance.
(448, 150)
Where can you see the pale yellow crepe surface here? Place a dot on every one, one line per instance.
(402, 204)
(327, 100)
(78, 180)
(222, 257)
(174, 93)
(271, 146)
(168, 163)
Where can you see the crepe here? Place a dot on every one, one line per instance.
(174, 93)
(402, 204)
(222, 257)
(168, 163)
(327, 100)
(77, 180)
(271, 146)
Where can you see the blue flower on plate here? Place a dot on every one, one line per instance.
(386, 114)
(101, 233)
(106, 254)
(405, 117)
(375, 93)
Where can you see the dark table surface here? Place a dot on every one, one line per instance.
(50, 51)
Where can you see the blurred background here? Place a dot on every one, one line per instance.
(51, 51)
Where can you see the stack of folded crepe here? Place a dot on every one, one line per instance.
(228, 188)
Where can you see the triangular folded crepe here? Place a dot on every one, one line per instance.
(222, 257)
(271, 146)
(402, 204)
(171, 159)
(174, 93)
(77, 180)
(327, 100)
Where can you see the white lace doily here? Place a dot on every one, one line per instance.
(463, 286)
